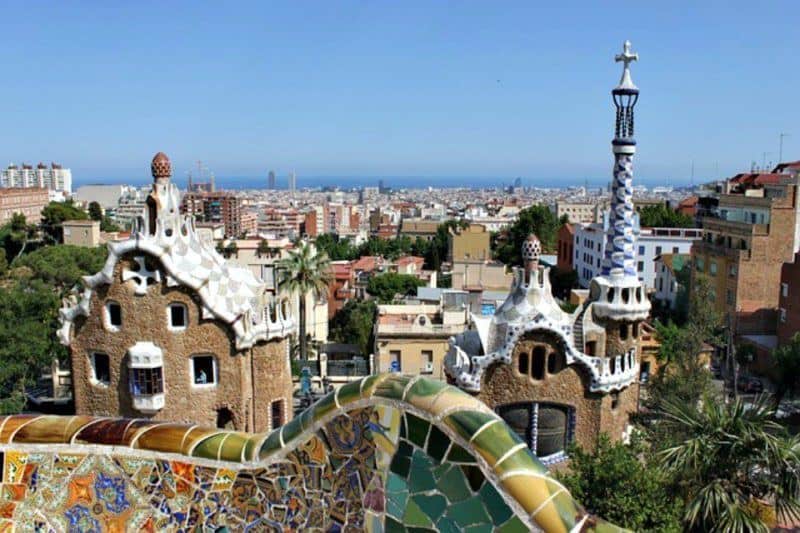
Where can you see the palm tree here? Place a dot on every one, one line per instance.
(305, 271)
(737, 468)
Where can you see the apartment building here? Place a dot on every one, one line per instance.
(471, 243)
(668, 269)
(581, 213)
(218, 206)
(53, 178)
(744, 246)
(590, 248)
(28, 201)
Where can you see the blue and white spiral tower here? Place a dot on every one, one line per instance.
(618, 292)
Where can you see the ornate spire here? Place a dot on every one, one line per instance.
(160, 166)
(626, 57)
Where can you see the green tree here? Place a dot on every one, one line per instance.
(354, 324)
(15, 236)
(95, 211)
(57, 212)
(785, 372)
(537, 219)
(305, 271)
(736, 468)
(384, 287)
(613, 482)
(28, 320)
(661, 216)
(62, 266)
(335, 248)
(108, 225)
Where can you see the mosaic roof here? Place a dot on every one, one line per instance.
(228, 292)
(386, 453)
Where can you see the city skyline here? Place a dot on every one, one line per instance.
(360, 90)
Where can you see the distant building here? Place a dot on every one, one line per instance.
(129, 206)
(418, 227)
(789, 301)
(271, 180)
(28, 201)
(108, 196)
(566, 247)
(667, 286)
(81, 233)
(292, 183)
(53, 178)
(590, 249)
(581, 213)
(220, 206)
(469, 244)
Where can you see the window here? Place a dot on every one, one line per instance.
(732, 271)
(204, 370)
(641, 250)
(547, 429)
(276, 413)
(658, 250)
(614, 400)
(591, 347)
(113, 315)
(640, 266)
(783, 315)
(394, 361)
(784, 289)
(674, 249)
(729, 297)
(623, 331)
(699, 264)
(101, 368)
(555, 363)
(537, 362)
(178, 316)
(644, 372)
(427, 362)
(712, 268)
(146, 381)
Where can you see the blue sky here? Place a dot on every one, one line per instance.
(347, 88)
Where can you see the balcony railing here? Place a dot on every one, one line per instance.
(416, 329)
(348, 368)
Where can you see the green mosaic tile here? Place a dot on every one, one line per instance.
(514, 525)
(432, 505)
(494, 441)
(522, 459)
(414, 516)
(291, 430)
(393, 387)
(324, 406)
(437, 443)
(393, 526)
(272, 444)
(396, 495)
(482, 528)
(466, 423)
(232, 447)
(349, 393)
(421, 478)
(447, 525)
(417, 430)
(497, 507)
(454, 485)
(474, 476)
(368, 384)
(423, 389)
(421, 530)
(395, 483)
(459, 455)
(401, 462)
(469, 512)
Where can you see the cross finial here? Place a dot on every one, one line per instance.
(627, 57)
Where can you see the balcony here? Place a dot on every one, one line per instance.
(735, 254)
(729, 227)
(432, 330)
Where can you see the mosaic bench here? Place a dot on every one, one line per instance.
(387, 453)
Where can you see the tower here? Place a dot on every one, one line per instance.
(620, 300)
(292, 183)
(271, 180)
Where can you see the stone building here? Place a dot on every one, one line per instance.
(558, 377)
(168, 330)
(27, 201)
(469, 244)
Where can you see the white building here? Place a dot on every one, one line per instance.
(54, 178)
(130, 206)
(666, 284)
(106, 195)
(590, 244)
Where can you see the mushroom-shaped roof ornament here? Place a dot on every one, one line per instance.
(531, 251)
(161, 167)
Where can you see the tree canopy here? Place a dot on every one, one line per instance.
(354, 323)
(537, 219)
(615, 483)
(62, 266)
(661, 216)
(384, 287)
(57, 212)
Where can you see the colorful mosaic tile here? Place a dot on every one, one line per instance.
(388, 453)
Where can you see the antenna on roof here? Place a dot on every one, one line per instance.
(780, 149)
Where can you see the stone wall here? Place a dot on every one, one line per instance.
(145, 318)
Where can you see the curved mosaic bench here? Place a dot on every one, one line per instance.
(387, 453)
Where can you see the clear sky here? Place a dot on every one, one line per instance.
(335, 88)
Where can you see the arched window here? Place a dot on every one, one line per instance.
(523, 363)
(555, 362)
(113, 316)
(623, 331)
(546, 428)
(177, 316)
(538, 362)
